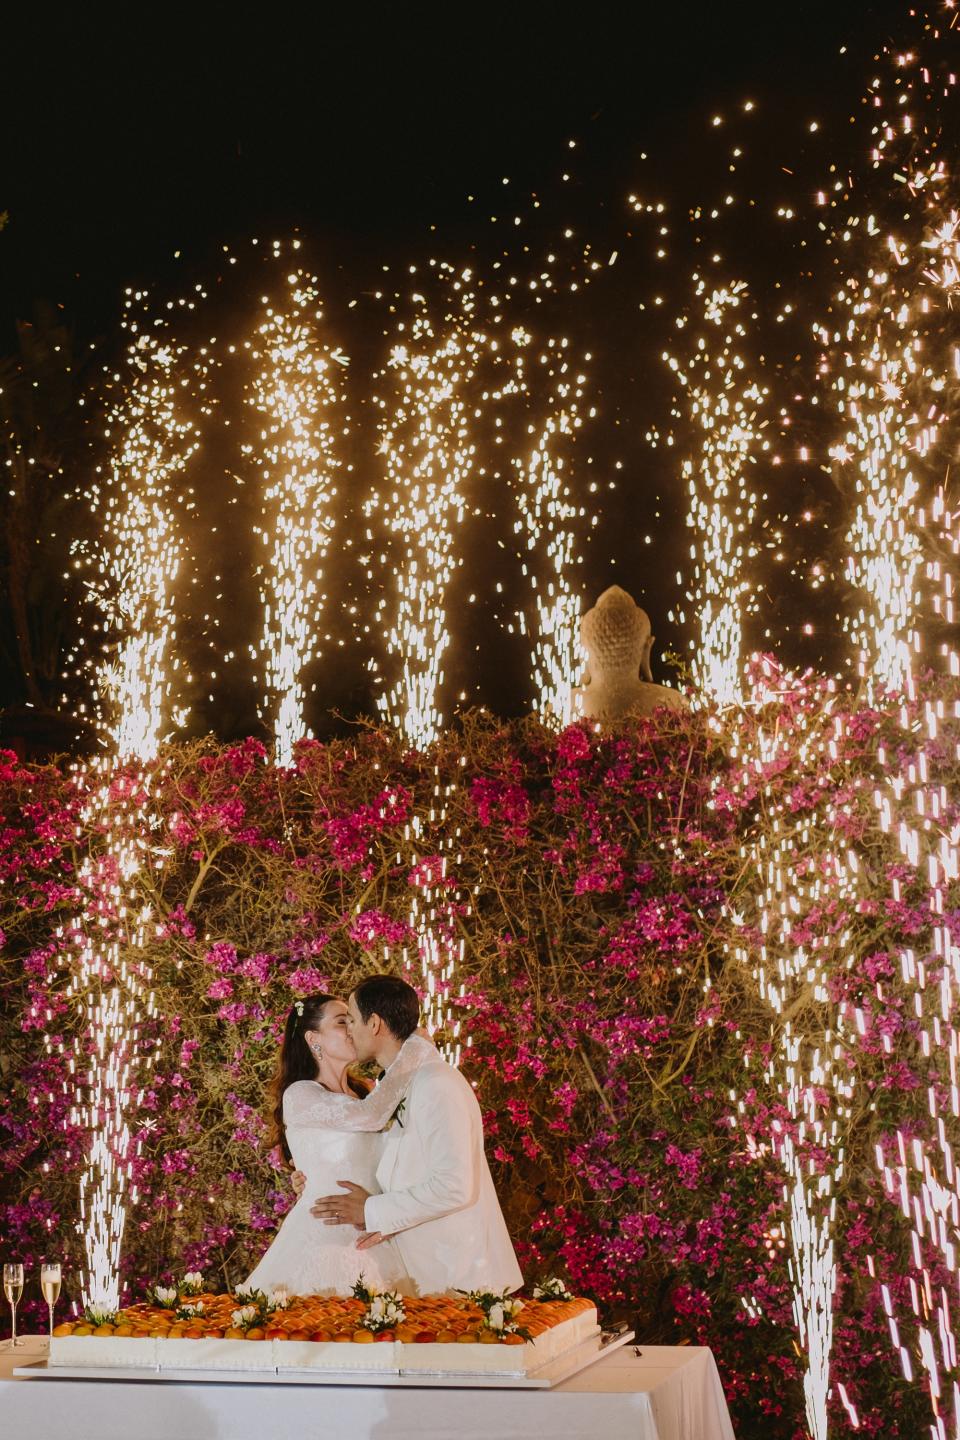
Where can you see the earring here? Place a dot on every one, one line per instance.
(316, 1050)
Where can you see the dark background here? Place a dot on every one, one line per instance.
(365, 130)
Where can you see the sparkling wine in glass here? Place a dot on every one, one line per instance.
(50, 1277)
(13, 1289)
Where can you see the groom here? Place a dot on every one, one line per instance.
(438, 1202)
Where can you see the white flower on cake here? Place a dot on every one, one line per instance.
(278, 1299)
(192, 1283)
(552, 1289)
(502, 1317)
(165, 1296)
(499, 1311)
(190, 1312)
(384, 1312)
(246, 1316)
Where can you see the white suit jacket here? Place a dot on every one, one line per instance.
(438, 1202)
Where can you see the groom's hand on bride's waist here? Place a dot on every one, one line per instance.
(342, 1209)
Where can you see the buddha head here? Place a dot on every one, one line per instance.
(616, 636)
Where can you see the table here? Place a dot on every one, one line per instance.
(663, 1393)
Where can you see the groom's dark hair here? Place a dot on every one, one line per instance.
(392, 999)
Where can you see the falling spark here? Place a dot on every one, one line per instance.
(296, 397)
(724, 404)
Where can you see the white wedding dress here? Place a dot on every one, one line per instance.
(336, 1137)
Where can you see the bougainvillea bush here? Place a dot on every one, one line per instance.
(622, 1051)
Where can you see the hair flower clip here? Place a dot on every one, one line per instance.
(298, 1006)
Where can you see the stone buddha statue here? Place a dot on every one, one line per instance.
(618, 680)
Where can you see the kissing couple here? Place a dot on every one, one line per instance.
(397, 1172)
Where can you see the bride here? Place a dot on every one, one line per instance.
(327, 1124)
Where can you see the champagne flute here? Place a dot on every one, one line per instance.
(50, 1277)
(13, 1289)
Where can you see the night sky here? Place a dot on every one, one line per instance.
(365, 135)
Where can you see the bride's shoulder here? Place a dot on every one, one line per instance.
(303, 1090)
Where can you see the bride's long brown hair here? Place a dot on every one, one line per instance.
(297, 1062)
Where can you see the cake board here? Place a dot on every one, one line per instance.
(554, 1372)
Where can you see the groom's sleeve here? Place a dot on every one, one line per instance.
(451, 1181)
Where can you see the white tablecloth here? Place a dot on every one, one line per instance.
(664, 1393)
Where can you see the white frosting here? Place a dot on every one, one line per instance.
(107, 1352)
(124, 1352)
(500, 1359)
(376, 1359)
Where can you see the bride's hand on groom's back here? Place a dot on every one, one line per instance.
(298, 1180)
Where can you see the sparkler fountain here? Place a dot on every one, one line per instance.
(900, 357)
(547, 517)
(429, 454)
(139, 560)
(296, 397)
(724, 407)
(800, 869)
(919, 1173)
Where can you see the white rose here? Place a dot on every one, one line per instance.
(495, 1316)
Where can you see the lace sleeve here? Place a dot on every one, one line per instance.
(307, 1103)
